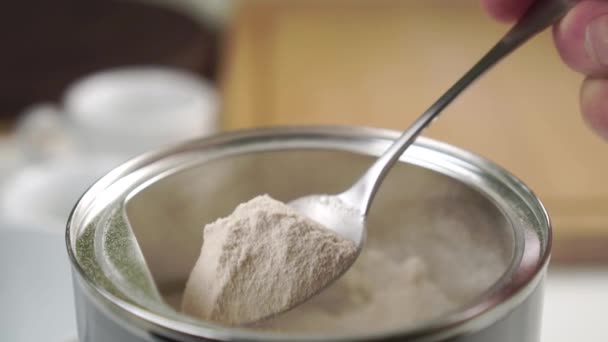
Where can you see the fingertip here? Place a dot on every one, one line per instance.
(594, 104)
(570, 36)
(506, 10)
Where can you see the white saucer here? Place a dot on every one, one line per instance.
(42, 195)
(10, 156)
(35, 287)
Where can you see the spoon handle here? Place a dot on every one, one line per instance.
(539, 16)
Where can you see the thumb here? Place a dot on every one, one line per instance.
(506, 10)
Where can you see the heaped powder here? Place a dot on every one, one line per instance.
(261, 260)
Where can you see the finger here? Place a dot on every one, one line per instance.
(506, 10)
(581, 37)
(594, 104)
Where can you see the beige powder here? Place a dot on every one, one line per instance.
(261, 260)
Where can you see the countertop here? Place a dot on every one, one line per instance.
(575, 305)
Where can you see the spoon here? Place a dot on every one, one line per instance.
(345, 213)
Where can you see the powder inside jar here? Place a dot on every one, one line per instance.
(421, 260)
(377, 291)
(261, 260)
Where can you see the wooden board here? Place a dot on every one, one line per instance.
(381, 63)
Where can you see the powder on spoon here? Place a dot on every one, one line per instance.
(261, 260)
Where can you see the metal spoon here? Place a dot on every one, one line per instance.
(345, 213)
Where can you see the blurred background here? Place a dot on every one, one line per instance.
(85, 84)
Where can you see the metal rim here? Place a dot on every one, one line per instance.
(475, 316)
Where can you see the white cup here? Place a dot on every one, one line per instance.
(123, 111)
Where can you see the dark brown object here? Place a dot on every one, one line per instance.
(45, 45)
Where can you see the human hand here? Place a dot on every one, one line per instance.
(581, 38)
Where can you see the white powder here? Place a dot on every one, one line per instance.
(335, 204)
(261, 260)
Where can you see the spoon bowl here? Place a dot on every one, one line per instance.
(334, 212)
